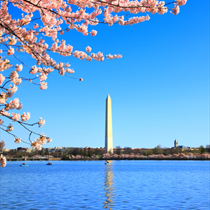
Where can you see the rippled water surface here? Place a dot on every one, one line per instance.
(95, 185)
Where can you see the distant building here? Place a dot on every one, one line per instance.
(21, 149)
(29, 150)
(59, 148)
(52, 150)
(208, 146)
(5, 150)
(175, 143)
(13, 150)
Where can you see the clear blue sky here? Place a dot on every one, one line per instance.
(159, 89)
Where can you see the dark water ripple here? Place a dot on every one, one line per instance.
(120, 185)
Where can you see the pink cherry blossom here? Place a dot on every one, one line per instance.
(17, 140)
(13, 104)
(10, 127)
(4, 113)
(19, 67)
(15, 116)
(43, 85)
(88, 49)
(2, 98)
(20, 106)
(2, 144)
(12, 40)
(36, 25)
(25, 116)
(2, 78)
(49, 140)
(34, 70)
(18, 81)
(43, 77)
(39, 142)
(70, 71)
(93, 33)
(41, 122)
(181, 2)
(175, 10)
(42, 140)
(33, 144)
(14, 76)
(3, 161)
(38, 147)
(110, 56)
(13, 89)
(11, 51)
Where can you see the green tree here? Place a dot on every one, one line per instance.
(127, 150)
(80, 151)
(202, 149)
(98, 151)
(69, 152)
(47, 152)
(65, 157)
(75, 151)
(90, 152)
(19, 155)
(148, 152)
(158, 150)
(84, 153)
(35, 152)
(177, 150)
(43, 152)
(208, 150)
(118, 150)
(167, 151)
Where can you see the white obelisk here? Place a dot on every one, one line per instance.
(108, 128)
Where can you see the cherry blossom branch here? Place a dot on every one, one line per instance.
(22, 123)
(126, 7)
(15, 55)
(13, 135)
(20, 27)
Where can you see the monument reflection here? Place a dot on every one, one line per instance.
(109, 186)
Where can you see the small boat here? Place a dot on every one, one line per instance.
(107, 162)
(23, 164)
(49, 163)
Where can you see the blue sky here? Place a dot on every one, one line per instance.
(159, 89)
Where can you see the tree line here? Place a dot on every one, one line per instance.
(89, 152)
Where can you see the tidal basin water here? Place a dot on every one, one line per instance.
(118, 185)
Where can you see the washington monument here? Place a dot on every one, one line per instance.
(108, 127)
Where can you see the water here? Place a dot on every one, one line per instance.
(94, 185)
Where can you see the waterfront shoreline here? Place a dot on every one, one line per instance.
(56, 159)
